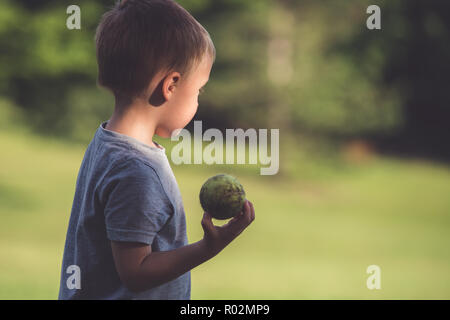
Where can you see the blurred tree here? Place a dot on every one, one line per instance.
(43, 62)
(331, 94)
(237, 94)
(50, 71)
(411, 56)
(305, 67)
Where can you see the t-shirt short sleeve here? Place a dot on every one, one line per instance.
(136, 205)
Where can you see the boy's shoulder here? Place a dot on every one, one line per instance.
(119, 166)
(134, 184)
(133, 168)
(117, 153)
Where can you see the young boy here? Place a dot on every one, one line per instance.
(127, 231)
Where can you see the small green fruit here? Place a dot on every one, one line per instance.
(222, 196)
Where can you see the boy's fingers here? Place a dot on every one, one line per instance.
(252, 211)
(242, 219)
(246, 208)
(248, 211)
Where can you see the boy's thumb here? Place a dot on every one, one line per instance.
(207, 222)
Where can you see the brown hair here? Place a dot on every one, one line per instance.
(136, 39)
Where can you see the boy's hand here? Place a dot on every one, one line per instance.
(218, 237)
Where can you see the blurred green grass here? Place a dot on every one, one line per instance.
(317, 228)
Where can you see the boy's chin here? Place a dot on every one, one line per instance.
(163, 133)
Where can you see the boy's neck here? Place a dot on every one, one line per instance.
(134, 123)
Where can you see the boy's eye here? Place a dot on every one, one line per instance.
(201, 90)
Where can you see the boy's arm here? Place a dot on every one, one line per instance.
(141, 269)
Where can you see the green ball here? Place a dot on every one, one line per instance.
(222, 196)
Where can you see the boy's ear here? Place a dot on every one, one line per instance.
(164, 89)
(170, 82)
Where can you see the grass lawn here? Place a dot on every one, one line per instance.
(317, 229)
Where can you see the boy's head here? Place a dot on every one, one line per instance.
(148, 48)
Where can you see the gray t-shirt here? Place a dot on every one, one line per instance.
(125, 191)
